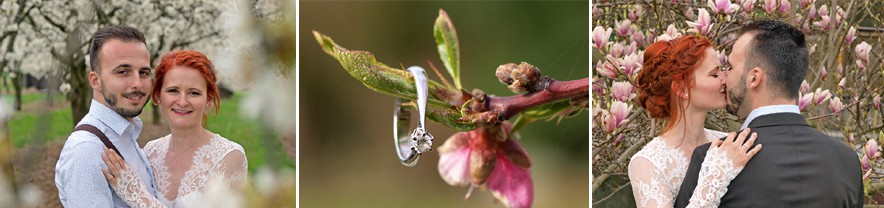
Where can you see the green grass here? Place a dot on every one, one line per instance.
(262, 147)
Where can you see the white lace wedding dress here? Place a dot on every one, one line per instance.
(656, 173)
(219, 160)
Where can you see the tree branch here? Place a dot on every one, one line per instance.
(491, 109)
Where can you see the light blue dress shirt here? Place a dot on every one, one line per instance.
(771, 109)
(78, 174)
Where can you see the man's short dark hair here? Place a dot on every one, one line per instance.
(782, 51)
(119, 32)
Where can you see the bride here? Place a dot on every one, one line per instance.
(185, 161)
(680, 82)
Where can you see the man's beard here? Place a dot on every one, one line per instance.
(111, 100)
(736, 99)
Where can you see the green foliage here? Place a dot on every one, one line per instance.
(448, 45)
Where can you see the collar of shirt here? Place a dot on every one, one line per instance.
(771, 109)
(113, 120)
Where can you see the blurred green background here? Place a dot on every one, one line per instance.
(346, 153)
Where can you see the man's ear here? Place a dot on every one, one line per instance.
(755, 77)
(94, 81)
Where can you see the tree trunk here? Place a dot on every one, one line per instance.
(6, 159)
(16, 84)
(156, 113)
(81, 93)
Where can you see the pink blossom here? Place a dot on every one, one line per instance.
(606, 69)
(748, 5)
(722, 6)
(622, 91)
(805, 3)
(488, 157)
(617, 50)
(865, 163)
(839, 70)
(851, 35)
(631, 63)
(798, 19)
(812, 49)
(722, 58)
(616, 116)
(823, 72)
(862, 54)
(812, 12)
(824, 10)
(843, 83)
(785, 6)
(703, 24)
(839, 16)
(623, 27)
(636, 13)
(821, 96)
(596, 11)
(805, 87)
(835, 105)
(689, 13)
(825, 20)
(638, 37)
(876, 102)
(871, 149)
(804, 101)
(672, 31)
(600, 36)
(770, 6)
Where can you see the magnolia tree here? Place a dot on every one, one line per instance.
(484, 154)
(840, 96)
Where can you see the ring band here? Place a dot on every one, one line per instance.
(410, 147)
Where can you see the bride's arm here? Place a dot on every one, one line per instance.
(649, 185)
(723, 162)
(126, 182)
(234, 168)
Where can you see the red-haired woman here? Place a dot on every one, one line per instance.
(680, 82)
(186, 161)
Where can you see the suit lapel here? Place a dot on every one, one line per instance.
(778, 119)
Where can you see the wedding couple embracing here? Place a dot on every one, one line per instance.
(101, 164)
(775, 160)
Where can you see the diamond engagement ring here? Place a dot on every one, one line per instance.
(409, 147)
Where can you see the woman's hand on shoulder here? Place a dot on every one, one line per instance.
(737, 148)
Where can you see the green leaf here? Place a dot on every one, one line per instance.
(448, 46)
(379, 77)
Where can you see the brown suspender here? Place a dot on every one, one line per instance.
(96, 132)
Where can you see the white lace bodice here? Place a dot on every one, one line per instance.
(220, 159)
(657, 171)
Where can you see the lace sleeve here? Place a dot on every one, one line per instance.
(716, 173)
(234, 168)
(132, 191)
(648, 184)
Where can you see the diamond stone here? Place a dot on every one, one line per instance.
(421, 140)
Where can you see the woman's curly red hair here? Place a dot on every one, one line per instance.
(194, 60)
(666, 72)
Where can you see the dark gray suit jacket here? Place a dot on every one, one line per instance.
(796, 167)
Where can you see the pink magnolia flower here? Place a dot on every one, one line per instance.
(862, 54)
(865, 163)
(689, 13)
(606, 69)
(805, 3)
(770, 6)
(672, 31)
(487, 157)
(631, 63)
(596, 11)
(825, 20)
(798, 19)
(623, 27)
(748, 5)
(821, 96)
(638, 37)
(805, 87)
(635, 13)
(812, 12)
(851, 35)
(785, 6)
(804, 101)
(812, 49)
(876, 102)
(616, 116)
(722, 57)
(600, 37)
(835, 105)
(622, 91)
(871, 149)
(722, 6)
(839, 70)
(823, 72)
(843, 83)
(597, 87)
(839, 16)
(617, 50)
(703, 23)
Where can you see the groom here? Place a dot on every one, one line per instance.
(798, 166)
(120, 80)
